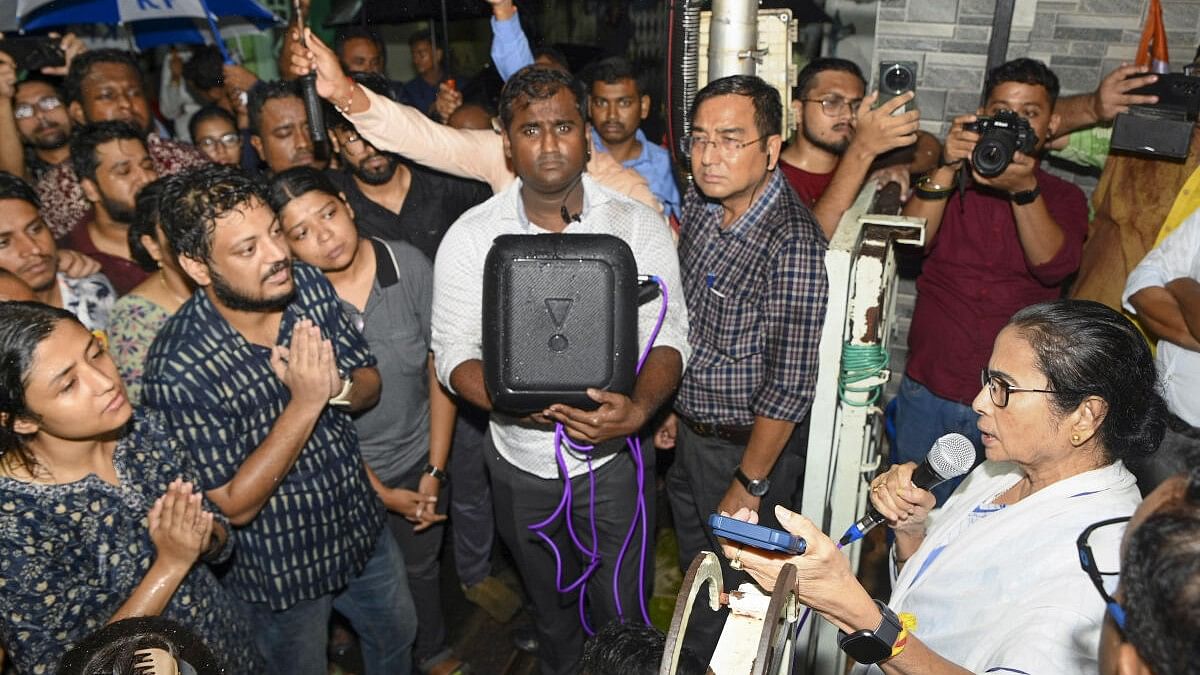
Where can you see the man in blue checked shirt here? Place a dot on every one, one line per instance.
(753, 263)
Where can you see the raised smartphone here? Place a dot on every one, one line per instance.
(758, 536)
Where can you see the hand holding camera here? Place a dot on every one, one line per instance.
(999, 148)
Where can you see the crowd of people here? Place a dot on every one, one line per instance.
(242, 371)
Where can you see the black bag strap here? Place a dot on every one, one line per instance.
(387, 275)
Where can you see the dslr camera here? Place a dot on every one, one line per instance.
(1000, 137)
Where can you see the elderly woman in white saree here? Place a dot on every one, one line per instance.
(991, 582)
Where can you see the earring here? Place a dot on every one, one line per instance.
(1075, 439)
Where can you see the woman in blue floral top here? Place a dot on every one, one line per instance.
(98, 520)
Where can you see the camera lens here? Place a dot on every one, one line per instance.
(992, 155)
(898, 79)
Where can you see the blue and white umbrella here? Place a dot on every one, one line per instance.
(152, 22)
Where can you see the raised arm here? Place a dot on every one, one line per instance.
(1110, 98)
(395, 127)
(510, 47)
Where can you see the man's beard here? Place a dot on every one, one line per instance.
(838, 148)
(231, 298)
(379, 177)
(51, 143)
(118, 212)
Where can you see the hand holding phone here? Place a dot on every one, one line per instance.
(758, 536)
(34, 53)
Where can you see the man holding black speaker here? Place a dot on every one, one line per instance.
(543, 113)
(753, 259)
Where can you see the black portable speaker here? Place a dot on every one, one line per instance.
(559, 316)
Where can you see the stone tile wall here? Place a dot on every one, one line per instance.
(1080, 39)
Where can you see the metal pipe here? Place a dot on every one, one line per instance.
(732, 38)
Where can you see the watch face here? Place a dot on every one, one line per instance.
(758, 488)
(865, 647)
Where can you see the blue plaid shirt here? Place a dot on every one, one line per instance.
(221, 398)
(756, 294)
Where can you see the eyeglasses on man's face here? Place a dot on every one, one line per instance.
(836, 106)
(1099, 549)
(46, 104)
(228, 140)
(999, 389)
(726, 145)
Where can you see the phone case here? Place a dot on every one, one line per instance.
(758, 536)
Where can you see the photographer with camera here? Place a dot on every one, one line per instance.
(1004, 239)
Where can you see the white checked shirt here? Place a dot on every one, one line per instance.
(458, 296)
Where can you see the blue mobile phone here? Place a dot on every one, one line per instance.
(758, 536)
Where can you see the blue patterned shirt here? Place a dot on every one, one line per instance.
(71, 555)
(756, 293)
(221, 399)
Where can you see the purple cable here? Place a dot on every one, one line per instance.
(639, 513)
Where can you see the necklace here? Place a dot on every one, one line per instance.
(162, 276)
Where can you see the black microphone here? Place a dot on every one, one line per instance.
(951, 456)
(308, 89)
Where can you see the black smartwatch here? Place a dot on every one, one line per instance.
(1026, 197)
(868, 646)
(756, 488)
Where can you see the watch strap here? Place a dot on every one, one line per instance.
(437, 473)
(885, 635)
(343, 397)
(1026, 197)
(746, 482)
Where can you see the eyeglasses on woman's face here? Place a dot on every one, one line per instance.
(999, 389)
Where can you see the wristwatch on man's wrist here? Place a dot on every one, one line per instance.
(1025, 197)
(756, 487)
(868, 646)
(342, 400)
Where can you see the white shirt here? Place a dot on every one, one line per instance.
(458, 296)
(1178, 369)
(1001, 589)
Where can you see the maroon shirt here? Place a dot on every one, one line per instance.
(809, 186)
(976, 276)
(124, 274)
(64, 206)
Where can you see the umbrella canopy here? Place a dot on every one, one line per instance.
(152, 22)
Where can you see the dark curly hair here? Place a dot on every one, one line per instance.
(632, 648)
(1025, 71)
(191, 203)
(82, 64)
(808, 74)
(614, 69)
(23, 326)
(87, 138)
(1087, 349)
(357, 32)
(14, 187)
(538, 83)
(146, 217)
(266, 91)
(1160, 580)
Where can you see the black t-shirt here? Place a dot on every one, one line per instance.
(434, 201)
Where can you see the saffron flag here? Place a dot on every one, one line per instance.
(1152, 50)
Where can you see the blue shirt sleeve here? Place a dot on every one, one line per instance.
(510, 47)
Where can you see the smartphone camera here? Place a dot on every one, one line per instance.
(896, 78)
